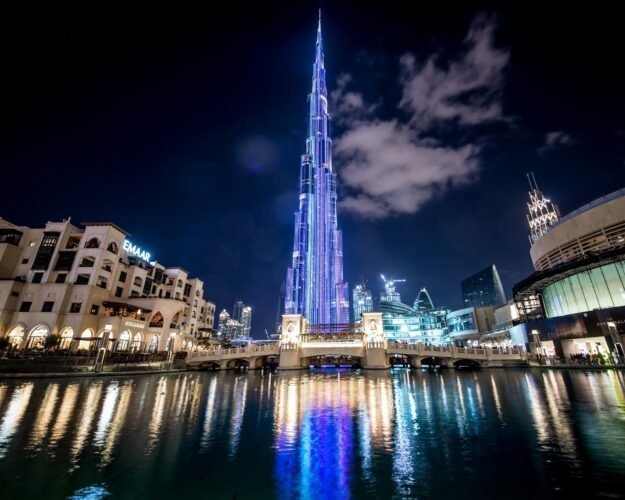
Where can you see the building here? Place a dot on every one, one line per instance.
(423, 303)
(246, 321)
(542, 214)
(314, 283)
(466, 326)
(403, 323)
(579, 280)
(362, 301)
(93, 287)
(483, 289)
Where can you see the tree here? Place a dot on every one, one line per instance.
(51, 342)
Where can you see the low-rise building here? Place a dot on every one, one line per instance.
(93, 287)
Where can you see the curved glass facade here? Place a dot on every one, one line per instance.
(597, 288)
(405, 324)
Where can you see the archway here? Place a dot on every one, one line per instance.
(16, 337)
(466, 364)
(333, 361)
(123, 344)
(37, 337)
(399, 361)
(137, 342)
(157, 320)
(67, 335)
(153, 347)
(86, 340)
(238, 364)
(433, 362)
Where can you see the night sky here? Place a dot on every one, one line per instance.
(185, 129)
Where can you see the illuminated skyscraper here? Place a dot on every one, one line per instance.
(361, 300)
(314, 282)
(246, 321)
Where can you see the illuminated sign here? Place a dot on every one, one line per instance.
(134, 324)
(136, 251)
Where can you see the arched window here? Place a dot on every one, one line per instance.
(124, 341)
(153, 347)
(136, 343)
(113, 247)
(93, 243)
(87, 261)
(67, 334)
(86, 340)
(16, 336)
(157, 320)
(37, 337)
(138, 281)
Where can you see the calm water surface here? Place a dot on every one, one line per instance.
(486, 434)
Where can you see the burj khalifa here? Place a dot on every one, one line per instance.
(314, 282)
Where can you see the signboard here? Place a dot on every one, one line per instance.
(136, 251)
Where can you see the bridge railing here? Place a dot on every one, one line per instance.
(484, 351)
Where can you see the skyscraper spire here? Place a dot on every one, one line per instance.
(314, 284)
(542, 213)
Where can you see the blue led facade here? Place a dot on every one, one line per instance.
(314, 282)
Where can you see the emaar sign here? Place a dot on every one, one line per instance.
(136, 251)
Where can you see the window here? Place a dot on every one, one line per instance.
(47, 307)
(187, 290)
(60, 278)
(82, 279)
(138, 281)
(37, 277)
(112, 247)
(65, 260)
(87, 262)
(25, 306)
(50, 239)
(95, 309)
(179, 283)
(122, 276)
(168, 295)
(92, 243)
(118, 291)
(24, 261)
(15, 294)
(75, 307)
(102, 282)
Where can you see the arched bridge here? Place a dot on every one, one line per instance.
(300, 346)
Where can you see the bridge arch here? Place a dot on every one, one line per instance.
(434, 362)
(467, 363)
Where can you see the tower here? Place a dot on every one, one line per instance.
(314, 282)
(542, 213)
(362, 300)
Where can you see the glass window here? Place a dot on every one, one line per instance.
(37, 277)
(75, 307)
(25, 306)
(47, 306)
(122, 276)
(118, 291)
(60, 278)
(95, 309)
(601, 288)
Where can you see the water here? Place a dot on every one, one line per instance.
(486, 434)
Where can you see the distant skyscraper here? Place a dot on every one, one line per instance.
(237, 309)
(246, 321)
(390, 294)
(361, 300)
(542, 213)
(483, 289)
(222, 328)
(314, 283)
(423, 303)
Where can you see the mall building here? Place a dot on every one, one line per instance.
(574, 302)
(92, 287)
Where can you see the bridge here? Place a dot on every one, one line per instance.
(301, 345)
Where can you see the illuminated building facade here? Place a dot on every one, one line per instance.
(362, 301)
(574, 302)
(483, 289)
(422, 323)
(542, 213)
(92, 287)
(314, 283)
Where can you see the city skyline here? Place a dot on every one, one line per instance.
(128, 134)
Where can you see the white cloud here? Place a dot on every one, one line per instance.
(555, 139)
(392, 167)
(392, 172)
(467, 89)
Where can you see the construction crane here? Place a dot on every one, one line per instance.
(390, 294)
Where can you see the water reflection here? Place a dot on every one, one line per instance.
(313, 435)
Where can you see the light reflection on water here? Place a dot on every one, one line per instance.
(336, 434)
